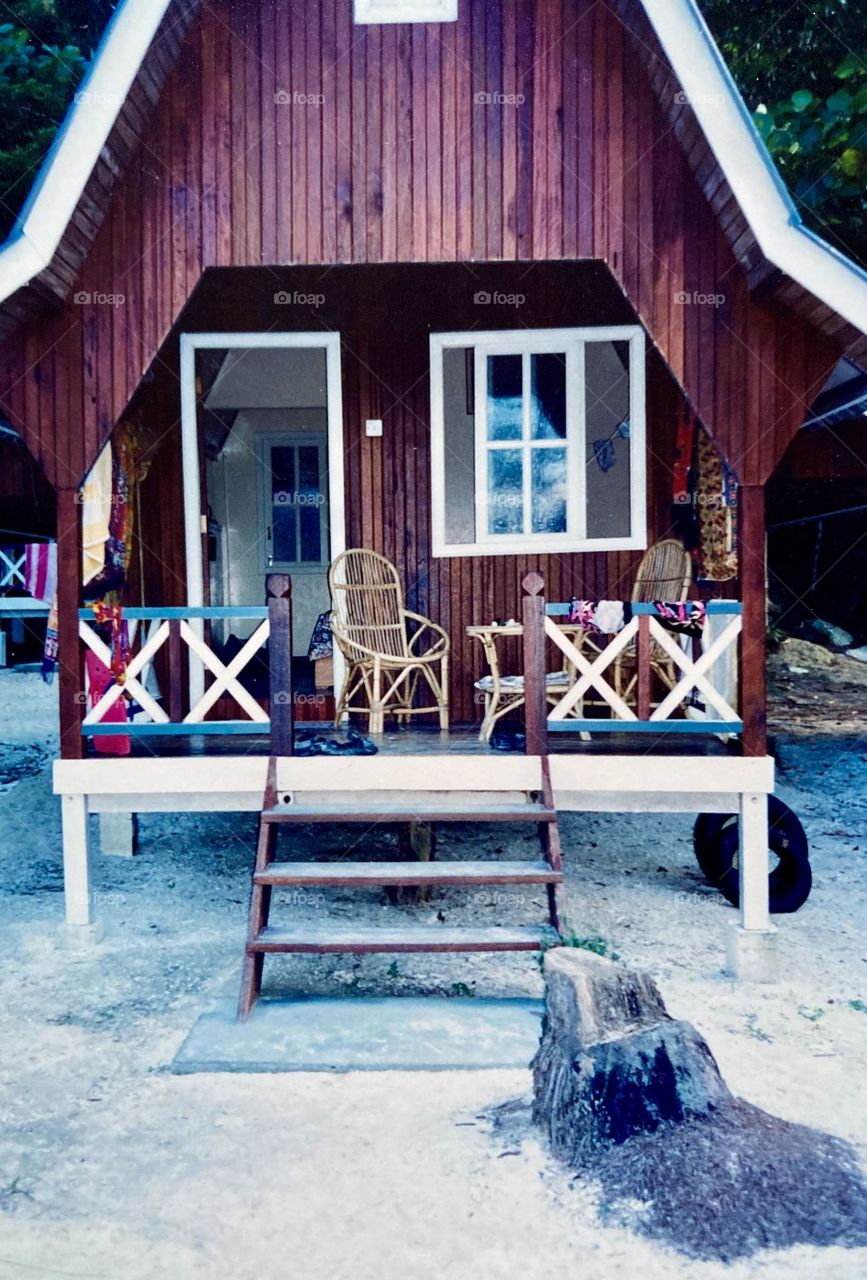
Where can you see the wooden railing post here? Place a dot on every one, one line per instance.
(535, 705)
(643, 661)
(176, 713)
(70, 658)
(753, 690)
(280, 699)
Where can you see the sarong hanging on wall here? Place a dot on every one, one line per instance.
(704, 502)
(716, 492)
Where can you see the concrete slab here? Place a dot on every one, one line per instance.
(393, 1034)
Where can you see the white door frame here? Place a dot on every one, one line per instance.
(194, 517)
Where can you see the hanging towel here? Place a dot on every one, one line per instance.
(606, 617)
(49, 652)
(118, 546)
(96, 515)
(99, 678)
(40, 570)
(683, 617)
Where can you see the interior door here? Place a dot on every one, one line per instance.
(293, 507)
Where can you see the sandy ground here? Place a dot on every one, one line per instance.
(112, 1167)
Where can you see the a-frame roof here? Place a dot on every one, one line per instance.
(782, 258)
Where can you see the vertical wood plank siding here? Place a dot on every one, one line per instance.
(528, 129)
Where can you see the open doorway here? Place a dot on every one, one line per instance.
(262, 430)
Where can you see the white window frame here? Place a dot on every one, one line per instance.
(527, 342)
(368, 12)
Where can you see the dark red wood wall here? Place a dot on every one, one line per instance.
(384, 153)
(384, 316)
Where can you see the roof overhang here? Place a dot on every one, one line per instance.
(749, 170)
(30, 255)
(69, 163)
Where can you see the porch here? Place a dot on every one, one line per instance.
(183, 760)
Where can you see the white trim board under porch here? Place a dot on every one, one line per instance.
(612, 784)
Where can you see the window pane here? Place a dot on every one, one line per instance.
(283, 495)
(549, 490)
(459, 462)
(308, 467)
(283, 533)
(504, 397)
(505, 491)
(310, 537)
(282, 473)
(309, 500)
(608, 459)
(548, 396)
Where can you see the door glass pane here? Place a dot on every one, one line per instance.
(548, 396)
(283, 505)
(548, 475)
(505, 491)
(310, 500)
(282, 473)
(283, 533)
(504, 397)
(608, 459)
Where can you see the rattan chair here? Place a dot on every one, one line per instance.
(665, 573)
(389, 651)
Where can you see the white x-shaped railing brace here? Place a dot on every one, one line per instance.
(591, 672)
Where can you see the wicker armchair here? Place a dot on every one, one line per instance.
(388, 649)
(665, 573)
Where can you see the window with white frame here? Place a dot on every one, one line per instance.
(537, 441)
(378, 11)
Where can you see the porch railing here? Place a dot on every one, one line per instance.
(644, 643)
(177, 636)
(12, 562)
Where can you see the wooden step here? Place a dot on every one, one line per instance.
(372, 812)
(320, 939)
(360, 874)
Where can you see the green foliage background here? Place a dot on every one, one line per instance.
(44, 47)
(801, 65)
(802, 68)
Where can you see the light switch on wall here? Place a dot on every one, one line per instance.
(373, 427)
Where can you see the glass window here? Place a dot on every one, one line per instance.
(538, 441)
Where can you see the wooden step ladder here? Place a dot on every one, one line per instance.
(445, 801)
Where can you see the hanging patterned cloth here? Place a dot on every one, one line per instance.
(605, 617)
(684, 518)
(111, 616)
(683, 617)
(716, 492)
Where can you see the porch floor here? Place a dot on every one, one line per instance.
(410, 741)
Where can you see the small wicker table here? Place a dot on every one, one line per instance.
(506, 693)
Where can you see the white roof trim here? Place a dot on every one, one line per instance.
(689, 46)
(749, 170)
(66, 169)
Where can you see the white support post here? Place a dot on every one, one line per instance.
(79, 928)
(751, 949)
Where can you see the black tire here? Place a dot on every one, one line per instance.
(786, 836)
(789, 883)
(707, 830)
